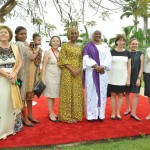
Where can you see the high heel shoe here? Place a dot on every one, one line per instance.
(135, 118)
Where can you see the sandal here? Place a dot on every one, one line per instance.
(148, 117)
(127, 113)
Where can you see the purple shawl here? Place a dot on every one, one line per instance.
(91, 50)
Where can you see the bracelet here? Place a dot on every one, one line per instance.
(139, 77)
(128, 78)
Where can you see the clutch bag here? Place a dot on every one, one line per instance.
(39, 88)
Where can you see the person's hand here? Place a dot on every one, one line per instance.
(37, 50)
(138, 82)
(128, 82)
(100, 69)
(11, 75)
(76, 72)
(12, 81)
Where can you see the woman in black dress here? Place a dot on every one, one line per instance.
(137, 65)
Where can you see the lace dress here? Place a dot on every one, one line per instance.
(7, 114)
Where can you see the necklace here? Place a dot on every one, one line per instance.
(55, 54)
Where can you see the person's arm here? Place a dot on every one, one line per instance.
(141, 70)
(128, 71)
(44, 64)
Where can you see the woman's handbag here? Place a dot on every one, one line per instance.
(39, 88)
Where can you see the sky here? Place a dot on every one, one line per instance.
(109, 28)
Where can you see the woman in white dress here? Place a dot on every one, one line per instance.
(147, 77)
(119, 76)
(96, 64)
(10, 64)
(51, 74)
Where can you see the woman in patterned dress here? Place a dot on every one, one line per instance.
(10, 64)
(137, 65)
(26, 55)
(71, 92)
(51, 74)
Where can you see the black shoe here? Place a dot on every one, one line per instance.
(28, 125)
(119, 117)
(35, 121)
(113, 117)
(135, 118)
(101, 120)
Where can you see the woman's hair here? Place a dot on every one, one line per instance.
(118, 37)
(9, 30)
(133, 40)
(17, 30)
(50, 43)
(35, 35)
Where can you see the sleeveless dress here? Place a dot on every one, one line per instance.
(7, 114)
(52, 77)
(135, 68)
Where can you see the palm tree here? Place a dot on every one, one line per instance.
(131, 9)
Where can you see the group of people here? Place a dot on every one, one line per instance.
(67, 73)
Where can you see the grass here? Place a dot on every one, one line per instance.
(140, 143)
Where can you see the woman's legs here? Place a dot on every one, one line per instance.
(113, 104)
(148, 117)
(25, 117)
(30, 115)
(134, 103)
(50, 103)
(119, 104)
(127, 96)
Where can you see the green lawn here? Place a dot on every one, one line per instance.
(140, 143)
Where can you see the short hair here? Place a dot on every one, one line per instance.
(9, 30)
(17, 30)
(50, 43)
(35, 35)
(133, 40)
(118, 37)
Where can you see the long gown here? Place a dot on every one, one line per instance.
(71, 92)
(23, 73)
(7, 116)
(93, 111)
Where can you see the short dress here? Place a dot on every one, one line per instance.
(52, 77)
(135, 68)
(117, 76)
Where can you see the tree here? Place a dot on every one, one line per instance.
(131, 9)
(7, 7)
(67, 9)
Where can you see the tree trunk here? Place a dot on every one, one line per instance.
(145, 28)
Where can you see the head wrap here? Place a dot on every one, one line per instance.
(69, 31)
(91, 32)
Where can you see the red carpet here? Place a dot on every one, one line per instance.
(47, 132)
